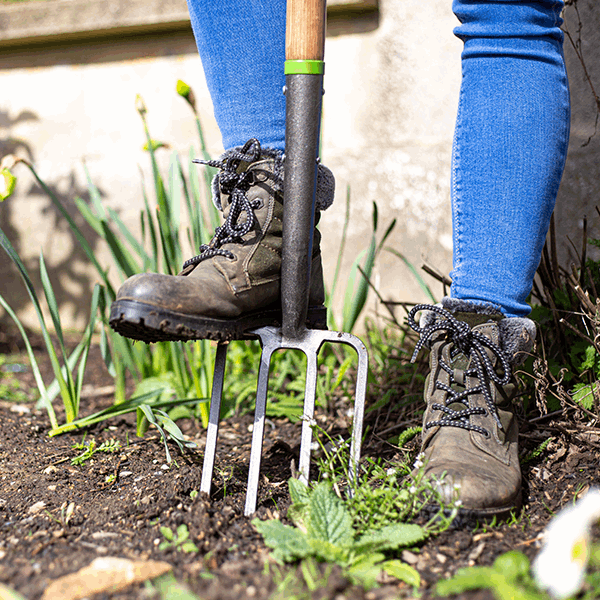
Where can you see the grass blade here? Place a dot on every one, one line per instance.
(92, 220)
(339, 259)
(8, 248)
(86, 344)
(424, 287)
(52, 304)
(123, 259)
(44, 397)
(135, 245)
(76, 232)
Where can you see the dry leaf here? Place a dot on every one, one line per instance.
(106, 574)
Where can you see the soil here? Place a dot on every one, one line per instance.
(121, 500)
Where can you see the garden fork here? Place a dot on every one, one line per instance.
(304, 67)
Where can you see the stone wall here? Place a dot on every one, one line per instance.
(69, 83)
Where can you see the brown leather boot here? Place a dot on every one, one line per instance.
(469, 439)
(234, 283)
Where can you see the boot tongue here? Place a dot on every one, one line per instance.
(472, 319)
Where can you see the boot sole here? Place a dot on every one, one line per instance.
(470, 517)
(146, 323)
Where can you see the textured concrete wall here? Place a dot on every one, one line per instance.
(580, 189)
(391, 93)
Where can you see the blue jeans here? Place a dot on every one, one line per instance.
(511, 136)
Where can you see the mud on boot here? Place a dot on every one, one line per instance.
(233, 284)
(470, 434)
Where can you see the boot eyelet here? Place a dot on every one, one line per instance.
(260, 176)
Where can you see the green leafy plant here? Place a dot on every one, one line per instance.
(165, 425)
(324, 531)
(178, 539)
(536, 452)
(90, 448)
(566, 306)
(509, 578)
(169, 588)
(11, 388)
(301, 583)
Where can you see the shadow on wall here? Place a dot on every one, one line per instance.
(580, 189)
(12, 288)
(8, 144)
(71, 282)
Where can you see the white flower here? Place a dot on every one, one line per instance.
(560, 566)
(419, 461)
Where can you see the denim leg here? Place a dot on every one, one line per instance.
(242, 48)
(510, 146)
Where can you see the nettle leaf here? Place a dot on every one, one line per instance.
(402, 571)
(329, 519)
(584, 395)
(299, 492)
(328, 552)
(288, 543)
(391, 537)
(298, 511)
(589, 360)
(366, 570)
(298, 514)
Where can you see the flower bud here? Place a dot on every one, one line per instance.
(7, 184)
(185, 91)
(139, 105)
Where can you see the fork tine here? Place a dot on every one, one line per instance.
(360, 392)
(212, 430)
(259, 424)
(310, 390)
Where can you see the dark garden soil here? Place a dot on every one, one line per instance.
(121, 500)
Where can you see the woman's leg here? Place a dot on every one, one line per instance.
(242, 48)
(510, 145)
(509, 151)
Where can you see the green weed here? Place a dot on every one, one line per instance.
(178, 539)
(509, 578)
(90, 448)
(11, 388)
(324, 531)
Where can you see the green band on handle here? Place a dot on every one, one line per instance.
(304, 67)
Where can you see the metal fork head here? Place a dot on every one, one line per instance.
(309, 342)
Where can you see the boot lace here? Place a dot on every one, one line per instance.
(235, 185)
(472, 344)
